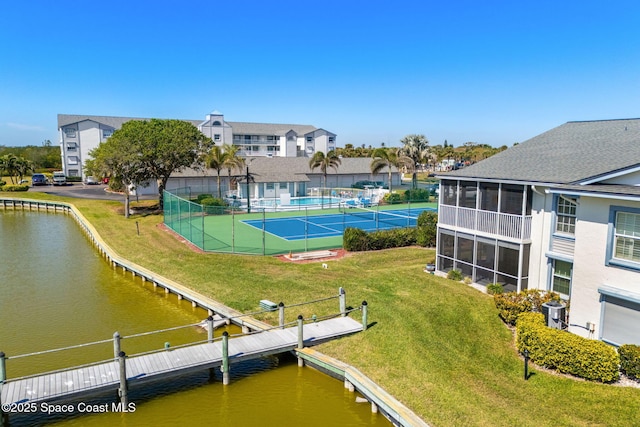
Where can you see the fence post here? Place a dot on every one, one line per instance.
(210, 328)
(342, 296)
(225, 358)
(364, 315)
(116, 344)
(281, 315)
(300, 338)
(123, 378)
(3, 367)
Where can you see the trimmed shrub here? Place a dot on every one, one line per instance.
(512, 304)
(454, 275)
(355, 239)
(2, 183)
(427, 229)
(568, 353)
(203, 196)
(14, 188)
(392, 198)
(630, 360)
(495, 288)
(212, 201)
(417, 195)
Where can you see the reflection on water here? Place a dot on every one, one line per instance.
(56, 291)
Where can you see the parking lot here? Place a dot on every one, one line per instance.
(80, 190)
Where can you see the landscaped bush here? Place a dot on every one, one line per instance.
(454, 275)
(566, 352)
(14, 188)
(203, 196)
(495, 288)
(392, 198)
(417, 195)
(212, 201)
(2, 183)
(630, 360)
(427, 229)
(356, 239)
(512, 304)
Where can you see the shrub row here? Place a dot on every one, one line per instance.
(630, 360)
(566, 352)
(13, 188)
(512, 304)
(424, 234)
(356, 239)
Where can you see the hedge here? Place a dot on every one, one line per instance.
(511, 304)
(14, 188)
(630, 360)
(566, 352)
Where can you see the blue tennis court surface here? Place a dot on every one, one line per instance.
(318, 226)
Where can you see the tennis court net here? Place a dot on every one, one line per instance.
(383, 219)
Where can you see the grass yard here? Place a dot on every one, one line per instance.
(436, 345)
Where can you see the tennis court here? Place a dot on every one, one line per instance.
(333, 225)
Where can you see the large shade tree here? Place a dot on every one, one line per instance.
(415, 147)
(142, 151)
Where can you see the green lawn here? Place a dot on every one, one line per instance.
(436, 345)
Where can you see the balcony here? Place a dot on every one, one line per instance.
(496, 224)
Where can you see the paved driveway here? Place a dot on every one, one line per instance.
(83, 191)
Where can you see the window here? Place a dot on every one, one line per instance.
(561, 279)
(283, 186)
(468, 191)
(106, 133)
(72, 160)
(566, 215)
(309, 139)
(70, 132)
(489, 196)
(511, 199)
(270, 186)
(627, 236)
(72, 146)
(448, 192)
(331, 140)
(446, 244)
(216, 137)
(74, 172)
(620, 318)
(217, 123)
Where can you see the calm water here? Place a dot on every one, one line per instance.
(56, 291)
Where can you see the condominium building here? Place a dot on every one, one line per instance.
(79, 134)
(559, 212)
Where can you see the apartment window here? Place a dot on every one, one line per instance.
(331, 140)
(270, 186)
(309, 139)
(489, 196)
(566, 215)
(256, 148)
(70, 132)
(627, 236)
(468, 192)
(216, 137)
(106, 133)
(561, 279)
(449, 192)
(73, 172)
(283, 186)
(72, 160)
(511, 199)
(446, 244)
(72, 146)
(217, 123)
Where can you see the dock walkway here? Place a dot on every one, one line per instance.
(89, 380)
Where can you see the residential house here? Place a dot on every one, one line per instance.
(559, 212)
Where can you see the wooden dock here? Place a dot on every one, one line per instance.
(88, 380)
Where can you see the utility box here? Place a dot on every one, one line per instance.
(554, 313)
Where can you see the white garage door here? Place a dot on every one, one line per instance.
(620, 320)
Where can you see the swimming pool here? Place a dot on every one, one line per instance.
(297, 203)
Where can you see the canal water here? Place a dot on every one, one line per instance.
(56, 291)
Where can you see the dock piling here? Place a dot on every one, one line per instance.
(210, 328)
(364, 315)
(116, 344)
(225, 358)
(3, 367)
(281, 315)
(342, 296)
(123, 378)
(300, 338)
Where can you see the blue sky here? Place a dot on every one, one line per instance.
(492, 72)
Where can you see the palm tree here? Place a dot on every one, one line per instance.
(319, 160)
(23, 167)
(387, 158)
(8, 165)
(415, 147)
(215, 160)
(232, 160)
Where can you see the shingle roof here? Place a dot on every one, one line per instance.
(292, 169)
(570, 153)
(114, 122)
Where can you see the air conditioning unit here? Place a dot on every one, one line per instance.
(554, 313)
